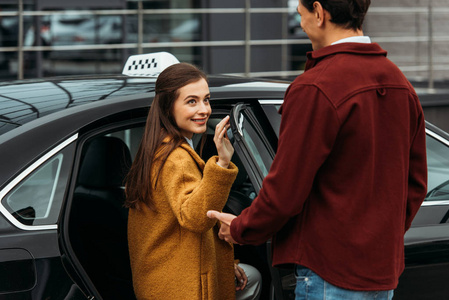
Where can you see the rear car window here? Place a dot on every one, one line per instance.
(37, 199)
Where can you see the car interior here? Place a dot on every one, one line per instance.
(98, 219)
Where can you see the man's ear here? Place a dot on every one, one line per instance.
(319, 13)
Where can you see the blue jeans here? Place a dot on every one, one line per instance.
(310, 286)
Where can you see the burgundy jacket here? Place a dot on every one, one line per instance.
(350, 171)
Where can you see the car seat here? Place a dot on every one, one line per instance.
(98, 219)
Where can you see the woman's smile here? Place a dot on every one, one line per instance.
(200, 121)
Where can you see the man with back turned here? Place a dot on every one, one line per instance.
(350, 171)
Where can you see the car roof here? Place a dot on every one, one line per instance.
(23, 101)
(26, 100)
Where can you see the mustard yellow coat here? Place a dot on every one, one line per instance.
(175, 251)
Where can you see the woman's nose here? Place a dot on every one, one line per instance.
(204, 108)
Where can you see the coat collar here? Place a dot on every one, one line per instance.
(194, 155)
(199, 161)
(313, 57)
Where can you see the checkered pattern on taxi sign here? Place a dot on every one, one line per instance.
(148, 65)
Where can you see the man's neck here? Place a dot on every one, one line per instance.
(339, 34)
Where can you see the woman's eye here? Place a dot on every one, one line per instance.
(191, 101)
(206, 100)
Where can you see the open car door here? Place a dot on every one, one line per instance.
(256, 153)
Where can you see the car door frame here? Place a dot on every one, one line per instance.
(117, 122)
(256, 177)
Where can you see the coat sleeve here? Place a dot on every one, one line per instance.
(309, 127)
(191, 194)
(417, 181)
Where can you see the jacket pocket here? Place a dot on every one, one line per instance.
(204, 289)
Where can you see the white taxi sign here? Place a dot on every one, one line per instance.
(148, 65)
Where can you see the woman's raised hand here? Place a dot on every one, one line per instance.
(221, 140)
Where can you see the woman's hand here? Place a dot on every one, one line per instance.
(240, 277)
(221, 140)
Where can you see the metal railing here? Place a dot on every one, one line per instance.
(430, 38)
(247, 42)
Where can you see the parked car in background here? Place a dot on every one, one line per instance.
(82, 30)
(9, 31)
(66, 144)
(66, 29)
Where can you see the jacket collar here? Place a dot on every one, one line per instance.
(313, 57)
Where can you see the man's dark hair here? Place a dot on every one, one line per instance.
(347, 13)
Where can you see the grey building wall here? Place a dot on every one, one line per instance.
(398, 25)
(394, 30)
(231, 27)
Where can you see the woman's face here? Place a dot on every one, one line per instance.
(191, 109)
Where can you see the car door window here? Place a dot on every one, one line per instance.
(272, 112)
(38, 198)
(253, 143)
(438, 170)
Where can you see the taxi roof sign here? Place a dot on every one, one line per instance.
(148, 65)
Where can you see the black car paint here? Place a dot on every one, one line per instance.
(58, 274)
(37, 134)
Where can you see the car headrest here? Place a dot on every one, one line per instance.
(105, 164)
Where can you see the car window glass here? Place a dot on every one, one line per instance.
(37, 199)
(438, 170)
(254, 142)
(271, 110)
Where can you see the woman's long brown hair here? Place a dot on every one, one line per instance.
(160, 125)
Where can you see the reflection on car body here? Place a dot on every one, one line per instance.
(65, 145)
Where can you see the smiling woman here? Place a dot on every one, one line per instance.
(170, 238)
(192, 109)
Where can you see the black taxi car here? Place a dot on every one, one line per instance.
(66, 144)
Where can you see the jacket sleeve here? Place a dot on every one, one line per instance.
(309, 127)
(417, 181)
(191, 194)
